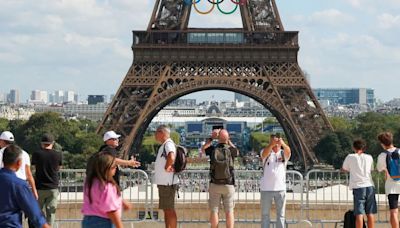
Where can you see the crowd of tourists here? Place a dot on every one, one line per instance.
(34, 197)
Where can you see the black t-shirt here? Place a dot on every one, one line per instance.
(113, 152)
(210, 150)
(47, 164)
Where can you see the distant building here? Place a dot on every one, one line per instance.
(15, 112)
(76, 98)
(80, 111)
(13, 97)
(241, 98)
(197, 132)
(183, 102)
(2, 98)
(342, 96)
(69, 96)
(96, 99)
(39, 96)
(58, 97)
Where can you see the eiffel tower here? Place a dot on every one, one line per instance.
(258, 60)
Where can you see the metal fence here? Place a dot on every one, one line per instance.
(328, 196)
(321, 198)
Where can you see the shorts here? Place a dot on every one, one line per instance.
(393, 201)
(166, 195)
(222, 192)
(364, 201)
(96, 222)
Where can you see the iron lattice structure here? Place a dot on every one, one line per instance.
(258, 60)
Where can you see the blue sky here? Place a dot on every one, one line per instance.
(84, 45)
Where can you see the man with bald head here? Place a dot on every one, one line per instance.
(222, 179)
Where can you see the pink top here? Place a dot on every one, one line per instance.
(105, 199)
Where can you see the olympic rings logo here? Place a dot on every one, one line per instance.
(215, 3)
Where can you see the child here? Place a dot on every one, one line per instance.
(102, 200)
(360, 165)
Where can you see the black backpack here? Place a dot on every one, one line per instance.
(350, 220)
(221, 167)
(180, 158)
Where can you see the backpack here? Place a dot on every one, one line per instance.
(350, 220)
(180, 158)
(393, 164)
(221, 165)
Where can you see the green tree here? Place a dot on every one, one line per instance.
(175, 137)
(369, 125)
(334, 147)
(258, 141)
(3, 124)
(341, 124)
(148, 150)
(37, 125)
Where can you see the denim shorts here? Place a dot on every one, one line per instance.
(364, 201)
(96, 222)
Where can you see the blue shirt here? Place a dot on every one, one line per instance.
(15, 198)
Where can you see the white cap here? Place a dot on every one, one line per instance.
(7, 136)
(110, 135)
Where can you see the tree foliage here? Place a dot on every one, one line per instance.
(258, 141)
(3, 124)
(76, 139)
(334, 147)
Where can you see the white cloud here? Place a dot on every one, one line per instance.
(331, 17)
(388, 21)
(85, 41)
(8, 57)
(355, 3)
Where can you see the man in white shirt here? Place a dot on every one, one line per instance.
(392, 187)
(360, 165)
(164, 176)
(273, 181)
(24, 172)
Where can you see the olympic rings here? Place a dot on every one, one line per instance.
(218, 2)
(189, 2)
(226, 13)
(206, 12)
(215, 3)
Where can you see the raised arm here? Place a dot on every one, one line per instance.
(206, 145)
(267, 150)
(286, 149)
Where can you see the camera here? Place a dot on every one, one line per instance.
(276, 136)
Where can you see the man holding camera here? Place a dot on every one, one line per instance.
(273, 182)
(222, 183)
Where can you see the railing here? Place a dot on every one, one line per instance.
(328, 196)
(218, 38)
(321, 198)
(135, 188)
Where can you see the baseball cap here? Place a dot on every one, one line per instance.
(110, 135)
(7, 136)
(47, 138)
